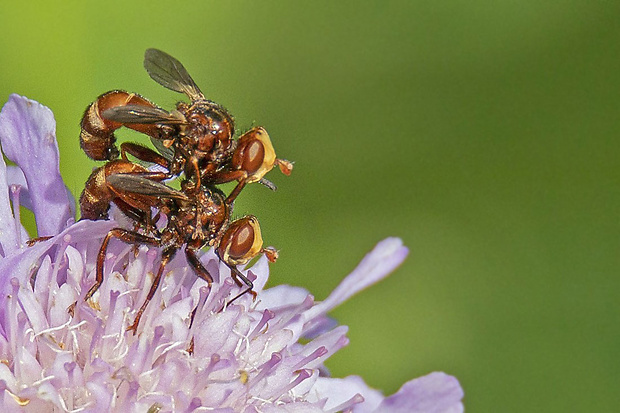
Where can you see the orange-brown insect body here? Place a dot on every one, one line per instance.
(207, 136)
(196, 138)
(98, 194)
(97, 138)
(195, 219)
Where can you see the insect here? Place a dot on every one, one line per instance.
(195, 139)
(194, 220)
(98, 193)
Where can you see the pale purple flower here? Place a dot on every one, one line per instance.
(245, 357)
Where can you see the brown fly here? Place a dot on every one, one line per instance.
(195, 139)
(193, 221)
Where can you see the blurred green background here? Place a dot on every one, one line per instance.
(485, 134)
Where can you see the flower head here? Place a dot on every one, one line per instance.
(193, 352)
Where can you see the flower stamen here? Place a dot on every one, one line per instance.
(14, 193)
(348, 405)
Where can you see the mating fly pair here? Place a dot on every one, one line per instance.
(194, 141)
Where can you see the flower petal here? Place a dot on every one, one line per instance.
(195, 350)
(8, 231)
(21, 264)
(338, 391)
(376, 265)
(281, 297)
(28, 137)
(15, 176)
(434, 393)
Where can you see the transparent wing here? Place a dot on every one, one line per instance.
(167, 153)
(144, 186)
(170, 73)
(140, 114)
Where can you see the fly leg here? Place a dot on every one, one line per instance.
(241, 279)
(124, 235)
(144, 154)
(166, 256)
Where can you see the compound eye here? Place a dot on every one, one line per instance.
(241, 242)
(254, 154)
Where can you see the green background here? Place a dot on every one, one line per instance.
(483, 133)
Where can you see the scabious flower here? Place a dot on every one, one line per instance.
(264, 355)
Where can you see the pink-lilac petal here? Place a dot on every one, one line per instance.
(28, 138)
(23, 262)
(8, 231)
(434, 393)
(281, 297)
(195, 350)
(15, 176)
(338, 391)
(260, 270)
(384, 258)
